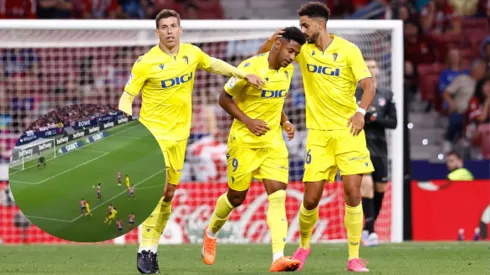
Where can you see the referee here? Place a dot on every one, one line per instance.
(380, 116)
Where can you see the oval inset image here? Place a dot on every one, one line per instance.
(87, 173)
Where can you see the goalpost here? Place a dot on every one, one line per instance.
(22, 156)
(89, 61)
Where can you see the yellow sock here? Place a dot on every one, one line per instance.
(148, 232)
(307, 221)
(277, 221)
(353, 224)
(220, 215)
(165, 211)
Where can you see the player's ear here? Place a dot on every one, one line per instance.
(156, 33)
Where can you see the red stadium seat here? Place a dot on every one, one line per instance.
(475, 24)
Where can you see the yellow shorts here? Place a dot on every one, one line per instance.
(260, 163)
(174, 155)
(329, 150)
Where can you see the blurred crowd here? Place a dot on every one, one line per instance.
(64, 116)
(447, 61)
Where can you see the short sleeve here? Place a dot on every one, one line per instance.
(204, 59)
(137, 78)
(454, 86)
(357, 64)
(235, 85)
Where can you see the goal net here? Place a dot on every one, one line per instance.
(49, 64)
(27, 156)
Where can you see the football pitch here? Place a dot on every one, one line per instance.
(407, 258)
(50, 196)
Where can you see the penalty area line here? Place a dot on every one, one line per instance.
(45, 218)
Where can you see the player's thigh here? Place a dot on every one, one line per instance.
(174, 154)
(242, 164)
(274, 170)
(320, 164)
(352, 155)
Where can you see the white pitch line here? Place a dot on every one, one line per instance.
(49, 219)
(25, 182)
(163, 185)
(130, 137)
(73, 168)
(123, 192)
(94, 151)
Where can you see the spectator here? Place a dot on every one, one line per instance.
(485, 50)
(464, 8)
(17, 9)
(457, 172)
(132, 9)
(454, 68)
(377, 9)
(407, 12)
(458, 95)
(102, 9)
(438, 17)
(478, 128)
(54, 9)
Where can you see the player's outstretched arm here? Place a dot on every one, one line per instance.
(256, 126)
(269, 42)
(219, 66)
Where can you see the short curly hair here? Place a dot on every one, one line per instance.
(294, 34)
(315, 9)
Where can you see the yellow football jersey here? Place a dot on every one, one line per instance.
(127, 180)
(166, 83)
(265, 104)
(114, 212)
(330, 80)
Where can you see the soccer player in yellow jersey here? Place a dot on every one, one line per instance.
(256, 147)
(88, 212)
(165, 77)
(127, 182)
(111, 216)
(331, 68)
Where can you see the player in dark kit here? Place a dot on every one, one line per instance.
(99, 191)
(379, 117)
(42, 161)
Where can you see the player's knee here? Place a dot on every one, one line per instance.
(310, 202)
(352, 195)
(236, 199)
(169, 192)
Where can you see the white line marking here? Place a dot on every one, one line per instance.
(123, 192)
(95, 151)
(130, 137)
(44, 218)
(163, 185)
(66, 171)
(25, 182)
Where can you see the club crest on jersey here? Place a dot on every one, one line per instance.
(186, 59)
(381, 102)
(161, 66)
(335, 55)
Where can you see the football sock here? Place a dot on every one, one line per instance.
(307, 221)
(220, 215)
(154, 225)
(378, 202)
(368, 209)
(353, 224)
(277, 222)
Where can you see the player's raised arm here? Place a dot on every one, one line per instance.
(135, 82)
(363, 76)
(232, 88)
(267, 45)
(219, 66)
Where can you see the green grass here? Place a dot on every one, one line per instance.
(408, 258)
(50, 196)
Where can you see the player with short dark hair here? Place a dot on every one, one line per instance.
(379, 117)
(256, 147)
(331, 68)
(41, 162)
(166, 74)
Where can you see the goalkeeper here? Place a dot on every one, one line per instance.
(380, 116)
(41, 162)
(165, 76)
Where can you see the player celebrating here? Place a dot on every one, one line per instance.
(130, 221)
(83, 207)
(256, 145)
(131, 192)
(127, 182)
(381, 116)
(165, 76)
(109, 209)
(99, 191)
(87, 209)
(119, 178)
(331, 68)
(41, 162)
(119, 224)
(110, 217)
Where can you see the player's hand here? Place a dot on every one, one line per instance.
(356, 123)
(257, 126)
(289, 129)
(256, 81)
(276, 35)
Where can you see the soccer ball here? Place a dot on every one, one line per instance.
(93, 186)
